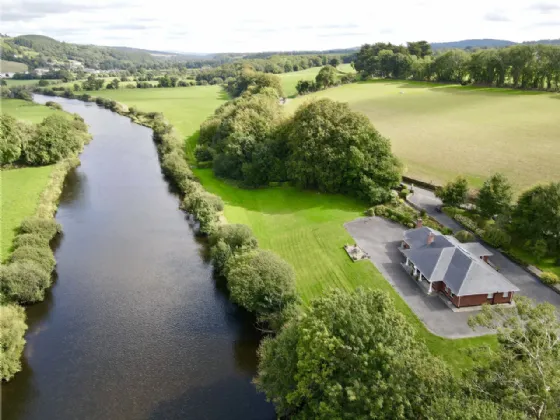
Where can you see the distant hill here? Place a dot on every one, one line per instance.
(487, 43)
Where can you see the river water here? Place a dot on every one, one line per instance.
(135, 327)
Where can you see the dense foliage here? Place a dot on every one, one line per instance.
(11, 139)
(350, 356)
(519, 66)
(495, 196)
(454, 193)
(251, 81)
(12, 329)
(335, 149)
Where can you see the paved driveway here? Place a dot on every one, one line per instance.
(380, 239)
(526, 282)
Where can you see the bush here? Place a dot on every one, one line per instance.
(466, 222)
(496, 237)
(549, 278)
(203, 153)
(261, 282)
(43, 256)
(175, 167)
(237, 236)
(30, 239)
(220, 254)
(404, 193)
(46, 228)
(465, 236)
(53, 105)
(24, 281)
(12, 329)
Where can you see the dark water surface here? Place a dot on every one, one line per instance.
(135, 327)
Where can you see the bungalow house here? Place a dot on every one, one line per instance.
(459, 271)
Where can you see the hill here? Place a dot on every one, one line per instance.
(487, 43)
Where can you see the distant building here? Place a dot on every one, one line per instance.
(6, 75)
(457, 270)
(41, 71)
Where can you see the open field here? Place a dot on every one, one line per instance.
(441, 131)
(15, 82)
(305, 228)
(22, 187)
(12, 67)
(289, 80)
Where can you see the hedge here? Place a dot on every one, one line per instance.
(24, 281)
(466, 222)
(549, 278)
(12, 329)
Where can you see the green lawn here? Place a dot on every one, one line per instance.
(441, 131)
(21, 189)
(289, 80)
(12, 67)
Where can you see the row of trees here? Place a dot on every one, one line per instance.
(356, 356)
(324, 146)
(48, 142)
(519, 66)
(327, 77)
(534, 220)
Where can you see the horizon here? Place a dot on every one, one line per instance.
(293, 27)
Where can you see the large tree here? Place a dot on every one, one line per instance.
(335, 149)
(494, 198)
(12, 329)
(326, 77)
(537, 215)
(351, 356)
(454, 193)
(12, 136)
(523, 372)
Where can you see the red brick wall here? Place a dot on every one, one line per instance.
(475, 300)
(438, 286)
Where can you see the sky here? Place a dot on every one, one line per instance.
(256, 25)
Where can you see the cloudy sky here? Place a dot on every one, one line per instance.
(256, 25)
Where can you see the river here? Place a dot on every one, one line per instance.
(135, 326)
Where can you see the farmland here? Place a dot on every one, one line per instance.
(289, 80)
(441, 131)
(12, 67)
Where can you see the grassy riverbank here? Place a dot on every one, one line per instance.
(441, 131)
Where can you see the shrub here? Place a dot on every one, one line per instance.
(465, 236)
(404, 193)
(53, 105)
(203, 153)
(261, 282)
(370, 212)
(237, 236)
(175, 166)
(549, 278)
(496, 237)
(12, 329)
(466, 222)
(193, 200)
(220, 254)
(45, 228)
(30, 239)
(43, 256)
(24, 281)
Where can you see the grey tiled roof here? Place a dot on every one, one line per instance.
(446, 260)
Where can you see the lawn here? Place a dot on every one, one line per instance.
(304, 227)
(289, 80)
(22, 187)
(12, 67)
(441, 131)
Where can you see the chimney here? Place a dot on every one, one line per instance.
(431, 238)
(419, 223)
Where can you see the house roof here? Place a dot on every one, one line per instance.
(447, 260)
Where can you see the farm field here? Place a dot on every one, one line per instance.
(304, 227)
(12, 67)
(441, 131)
(21, 188)
(289, 80)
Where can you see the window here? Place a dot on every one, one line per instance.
(490, 295)
(505, 294)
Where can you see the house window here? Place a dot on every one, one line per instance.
(505, 294)
(490, 295)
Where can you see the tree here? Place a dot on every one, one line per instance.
(454, 193)
(4, 83)
(523, 372)
(494, 198)
(11, 138)
(335, 62)
(261, 282)
(537, 215)
(93, 83)
(335, 149)
(304, 86)
(114, 84)
(43, 82)
(459, 407)
(55, 138)
(420, 49)
(229, 240)
(326, 77)
(12, 329)
(350, 356)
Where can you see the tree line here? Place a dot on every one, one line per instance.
(324, 146)
(519, 66)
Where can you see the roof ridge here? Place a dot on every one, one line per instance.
(470, 258)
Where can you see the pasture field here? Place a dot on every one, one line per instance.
(289, 80)
(441, 131)
(304, 227)
(12, 67)
(21, 188)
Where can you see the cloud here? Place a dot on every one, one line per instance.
(386, 31)
(547, 23)
(496, 16)
(125, 26)
(26, 10)
(339, 26)
(544, 8)
(341, 34)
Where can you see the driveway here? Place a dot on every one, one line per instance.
(380, 239)
(526, 282)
